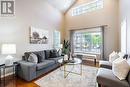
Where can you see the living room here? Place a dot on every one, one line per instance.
(64, 43)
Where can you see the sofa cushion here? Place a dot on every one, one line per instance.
(108, 79)
(56, 59)
(45, 64)
(105, 64)
(40, 55)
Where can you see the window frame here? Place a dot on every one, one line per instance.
(81, 43)
(87, 7)
(56, 39)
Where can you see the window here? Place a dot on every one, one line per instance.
(88, 7)
(56, 39)
(87, 42)
(124, 36)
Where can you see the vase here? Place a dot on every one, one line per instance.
(65, 57)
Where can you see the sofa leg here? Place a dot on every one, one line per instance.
(99, 85)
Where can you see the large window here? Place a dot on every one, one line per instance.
(87, 42)
(88, 7)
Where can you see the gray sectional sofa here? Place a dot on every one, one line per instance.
(106, 78)
(46, 62)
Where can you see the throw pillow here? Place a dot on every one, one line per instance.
(40, 55)
(59, 52)
(120, 68)
(113, 56)
(53, 54)
(33, 58)
(47, 54)
(121, 54)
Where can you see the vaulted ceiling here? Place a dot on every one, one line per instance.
(62, 5)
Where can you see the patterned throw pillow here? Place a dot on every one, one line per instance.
(113, 56)
(120, 68)
(33, 58)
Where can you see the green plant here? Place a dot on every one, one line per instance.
(66, 47)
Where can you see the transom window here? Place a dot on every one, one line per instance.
(88, 7)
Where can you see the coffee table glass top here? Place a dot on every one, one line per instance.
(73, 62)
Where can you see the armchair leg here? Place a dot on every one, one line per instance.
(95, 61)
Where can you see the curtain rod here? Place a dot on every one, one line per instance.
(88, 27)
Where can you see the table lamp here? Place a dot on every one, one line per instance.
(9, 50)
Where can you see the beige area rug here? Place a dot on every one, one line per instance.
(56, 78)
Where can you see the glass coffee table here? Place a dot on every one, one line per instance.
(75, 61)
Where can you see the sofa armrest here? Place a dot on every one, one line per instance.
(106, 78)
(105, 64)
(27, 70)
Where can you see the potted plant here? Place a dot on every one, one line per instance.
(66, 48)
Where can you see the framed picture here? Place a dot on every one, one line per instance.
(38, 36)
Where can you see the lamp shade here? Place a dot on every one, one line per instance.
(8, 49)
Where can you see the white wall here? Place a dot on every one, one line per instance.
(106, 16)
(36, 13)
(125, 14)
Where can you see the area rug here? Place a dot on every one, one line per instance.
(56, 78)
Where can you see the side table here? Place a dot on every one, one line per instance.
(14, 67)
(1, 66)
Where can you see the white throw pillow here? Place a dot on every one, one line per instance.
(33, 58)
(120, 68)
(113, 56)
(121, 54)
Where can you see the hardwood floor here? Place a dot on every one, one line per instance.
(11, 81)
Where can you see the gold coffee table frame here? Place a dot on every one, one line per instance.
(78, 61)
